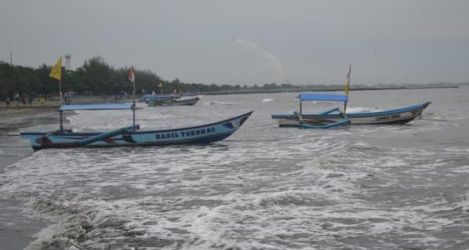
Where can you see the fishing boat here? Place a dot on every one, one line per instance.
(132, 135)
(128, 136)
(391, 116)
(175, 101)
(153, 97)
(302, 121)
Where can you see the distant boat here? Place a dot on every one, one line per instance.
(132, 136)
(170, 100)
(176, 101)
(390, 116)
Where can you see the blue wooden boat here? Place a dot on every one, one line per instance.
(391, 116)
(302, 121)
(132, 136)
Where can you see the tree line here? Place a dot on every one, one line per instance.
(96, 77)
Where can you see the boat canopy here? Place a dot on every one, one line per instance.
(96, 106)
(322, 97)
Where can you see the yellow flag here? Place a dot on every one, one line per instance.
(347, 80)
(56, 71)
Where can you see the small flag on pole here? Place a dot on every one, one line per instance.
(131, 77)
(56, 70)
(347, 80)
(131, 74)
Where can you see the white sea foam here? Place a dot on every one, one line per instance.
(217, 103)
(461, 169)
(256, 209)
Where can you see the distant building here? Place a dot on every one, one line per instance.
(68, 62)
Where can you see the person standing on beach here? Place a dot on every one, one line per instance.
(8, 101)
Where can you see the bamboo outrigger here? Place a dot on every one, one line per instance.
(303, 121)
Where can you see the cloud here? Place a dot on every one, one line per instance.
(270, 57)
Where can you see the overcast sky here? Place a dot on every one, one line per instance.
(248, 41)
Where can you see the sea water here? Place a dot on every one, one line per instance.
(265, 187)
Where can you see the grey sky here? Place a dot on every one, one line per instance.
(248, 41)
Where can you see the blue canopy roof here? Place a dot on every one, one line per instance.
(322, 97)
(96, 106)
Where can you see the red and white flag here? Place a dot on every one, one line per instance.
(131, 74)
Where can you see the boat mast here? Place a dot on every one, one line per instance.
(301, 107)
(131, 76)
(133, 109)
(56, 73)
(347, 86)
(61, 121)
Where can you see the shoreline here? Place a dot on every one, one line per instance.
(82, 99)
(21, 112)
(323, 89)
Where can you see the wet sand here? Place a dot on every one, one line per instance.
(17, 229)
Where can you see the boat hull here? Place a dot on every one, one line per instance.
(392, 116)
(202, 134)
